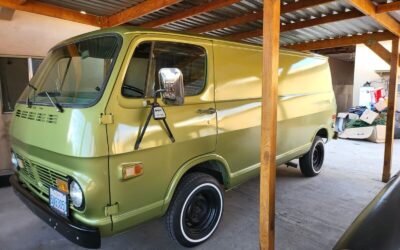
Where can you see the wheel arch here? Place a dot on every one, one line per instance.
(212, 164)
(322, 132)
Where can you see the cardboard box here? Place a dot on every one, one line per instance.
(369, 116)
(375, 134)
(351, 116)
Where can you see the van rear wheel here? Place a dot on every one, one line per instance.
(311, 163)
(195, 210)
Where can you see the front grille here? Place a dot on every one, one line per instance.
(40, 177)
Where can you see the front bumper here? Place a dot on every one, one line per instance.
(74, 231)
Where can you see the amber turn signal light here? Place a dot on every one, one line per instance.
(132, 170)
(62, 186)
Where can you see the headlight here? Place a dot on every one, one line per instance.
(76, 194)
(14, 161)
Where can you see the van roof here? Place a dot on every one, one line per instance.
(126, 30)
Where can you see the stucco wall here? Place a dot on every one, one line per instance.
(30, 34)
(366, 63)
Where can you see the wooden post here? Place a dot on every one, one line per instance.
(271, 23)
(391, 110)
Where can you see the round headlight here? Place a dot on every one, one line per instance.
(76, 194)
(14, 161)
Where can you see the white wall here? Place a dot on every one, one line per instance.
(366, 63)
(30, 34)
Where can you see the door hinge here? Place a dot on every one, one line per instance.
(111, 209)
(106, 119)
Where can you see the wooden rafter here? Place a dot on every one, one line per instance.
(228, 23)
(243, 35)
(256, 16)
(343, 41)
(322, 20)
(216, 4)
(386, 7)
(300, 25)
(52, 11)
(303, 4)
(138, 10)
(384, 19)
(379, 50)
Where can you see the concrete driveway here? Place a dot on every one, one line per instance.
(312, 213)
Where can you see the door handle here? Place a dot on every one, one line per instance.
(207, 111)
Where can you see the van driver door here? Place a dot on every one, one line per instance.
(193, 124)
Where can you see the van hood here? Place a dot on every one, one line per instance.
(75, 132)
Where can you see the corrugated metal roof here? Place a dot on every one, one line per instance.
(95, 7)
(325, 31)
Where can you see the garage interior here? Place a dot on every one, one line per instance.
(305, 213)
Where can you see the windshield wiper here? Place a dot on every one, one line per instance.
(55, 104)
(28, 102)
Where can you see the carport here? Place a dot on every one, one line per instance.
(304, 25)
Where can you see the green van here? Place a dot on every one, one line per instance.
(123, 125)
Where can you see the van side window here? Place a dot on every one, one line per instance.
(134, 84)
(190, 59)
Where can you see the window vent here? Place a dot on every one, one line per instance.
(52, 119)
(31, 115)
(39, 117)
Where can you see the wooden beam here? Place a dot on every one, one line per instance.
(228, 23)
(256, 16)
(269, 101)
(386, 7)
(138, 10)
(300, 25)
(6, 13)
(322, 20)
(380, 51)
(391, 110)
(343, 41)
(52, 11)
(303, 4)
(244, 35)
(22, 1)
(384, 19)
(216, 4)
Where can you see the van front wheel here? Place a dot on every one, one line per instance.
(195, 210)
(311, 163)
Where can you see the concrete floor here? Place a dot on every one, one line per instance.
(312, 213)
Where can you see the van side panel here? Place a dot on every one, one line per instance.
(237, 94)
(306, 104)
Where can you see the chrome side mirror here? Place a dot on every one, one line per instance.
(171, 82)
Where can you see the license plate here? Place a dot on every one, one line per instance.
(58, 201)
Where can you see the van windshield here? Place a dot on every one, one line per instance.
(74, 74)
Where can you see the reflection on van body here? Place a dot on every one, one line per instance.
(108, 83)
